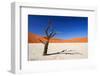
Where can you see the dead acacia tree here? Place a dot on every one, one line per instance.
(50, 33)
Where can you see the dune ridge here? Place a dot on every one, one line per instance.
(34, 38)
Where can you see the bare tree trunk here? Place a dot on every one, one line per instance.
(46, 48)
(50, 33)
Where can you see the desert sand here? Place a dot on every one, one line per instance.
(80, 50)
(73, 48)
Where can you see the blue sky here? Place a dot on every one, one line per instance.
(67, 26)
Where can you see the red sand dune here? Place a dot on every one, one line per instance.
(34, 38)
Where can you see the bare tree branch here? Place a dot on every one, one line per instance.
(47, 30)
(44, 42)
(50, 33)
(53, 34)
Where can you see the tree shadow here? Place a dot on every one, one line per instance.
(66, 53)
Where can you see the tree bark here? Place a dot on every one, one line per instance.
(46, 48)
